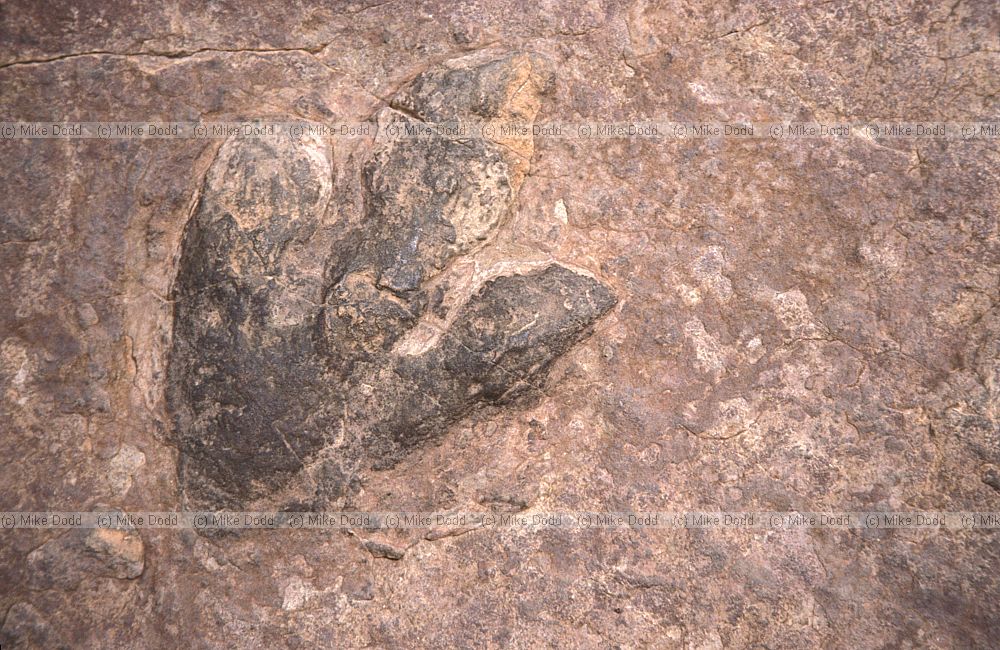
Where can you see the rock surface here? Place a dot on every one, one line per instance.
(500, 324)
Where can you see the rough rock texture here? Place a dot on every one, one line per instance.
(723, 324)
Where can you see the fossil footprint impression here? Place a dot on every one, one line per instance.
(290, 318)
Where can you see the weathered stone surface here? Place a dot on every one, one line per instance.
(802, 324)
(77, 554)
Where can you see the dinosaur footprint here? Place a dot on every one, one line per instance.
(290, 352)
